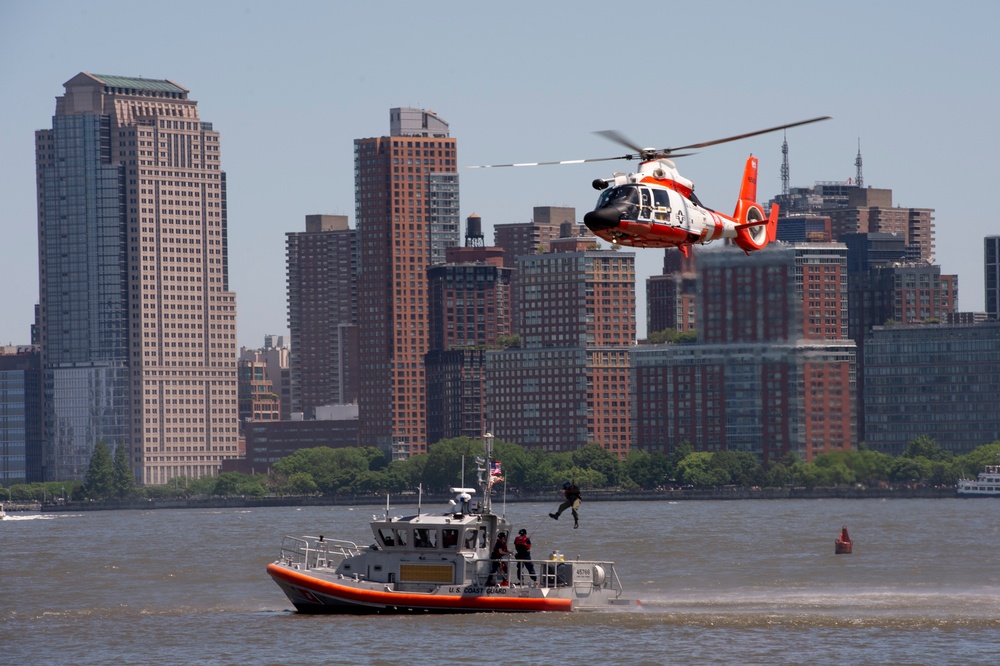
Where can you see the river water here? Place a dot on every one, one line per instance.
(720, 582)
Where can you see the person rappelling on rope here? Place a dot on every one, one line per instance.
(573, 500)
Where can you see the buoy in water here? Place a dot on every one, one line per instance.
(843, 545)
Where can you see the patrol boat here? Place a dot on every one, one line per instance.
(438, 562)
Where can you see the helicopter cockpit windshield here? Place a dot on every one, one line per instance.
(624, 198)
(633, 202)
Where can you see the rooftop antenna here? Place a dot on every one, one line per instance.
(857, 163)
(784, 165)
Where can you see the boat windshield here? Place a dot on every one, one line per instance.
(424, 538)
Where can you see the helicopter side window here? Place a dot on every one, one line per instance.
(646, 209)
(661, 205)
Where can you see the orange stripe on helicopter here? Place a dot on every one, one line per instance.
(672, 184)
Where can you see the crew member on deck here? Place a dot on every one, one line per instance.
(522, 553)
(498, 574)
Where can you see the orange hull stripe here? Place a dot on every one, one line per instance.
(374, 597)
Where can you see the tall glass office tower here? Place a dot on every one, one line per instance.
(135, 320)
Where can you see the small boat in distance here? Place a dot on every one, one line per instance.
(843, 545)
(438, 562)
(986, 484)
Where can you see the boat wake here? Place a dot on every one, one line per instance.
(40, 516)
(879, 608)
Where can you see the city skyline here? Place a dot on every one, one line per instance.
(924, 131)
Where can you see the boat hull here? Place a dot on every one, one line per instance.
(311, 592)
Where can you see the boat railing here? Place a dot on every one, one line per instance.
(551, 573)
(579, 573)
(311, 552)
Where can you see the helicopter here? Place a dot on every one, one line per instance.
(656, 206)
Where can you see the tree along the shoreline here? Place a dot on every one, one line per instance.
(364, 470)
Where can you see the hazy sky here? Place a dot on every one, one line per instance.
(290, 85)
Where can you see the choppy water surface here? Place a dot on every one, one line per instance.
(719, 582)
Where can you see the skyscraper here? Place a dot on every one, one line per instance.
(406, 204)
(568, 384)
(469, 305)
(322, 313)
(20, 415)
(773, 371)
(991, 279)
(854, 209)
(672, 297)
(136, 321)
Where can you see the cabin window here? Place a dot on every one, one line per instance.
(646, 209)
(424, 538)
(470, 539)
(661, 206)
(401, 538)
(482, 537)
(661, 198)
(449, 537)
(386, 536)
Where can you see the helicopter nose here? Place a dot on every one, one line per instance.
(602, 218)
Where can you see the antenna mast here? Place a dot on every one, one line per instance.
(857, 163)
(784, 165)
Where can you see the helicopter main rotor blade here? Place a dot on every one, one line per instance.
(520, 164)
(647, 154)
(621, 140)
(747, 135)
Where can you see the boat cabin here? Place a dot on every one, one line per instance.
(425, 550)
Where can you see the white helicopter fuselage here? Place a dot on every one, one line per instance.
(657, 207)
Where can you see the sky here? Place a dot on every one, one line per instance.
(290, 85)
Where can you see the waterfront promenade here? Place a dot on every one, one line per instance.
(411, 498)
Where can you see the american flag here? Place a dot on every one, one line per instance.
(495, 472)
